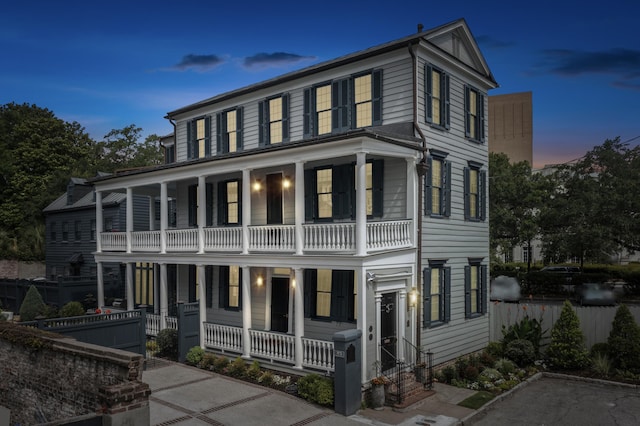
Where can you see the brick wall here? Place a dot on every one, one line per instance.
(15, 269)
(47, 377)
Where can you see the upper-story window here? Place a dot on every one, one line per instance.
(436, 96)
(474, 114)
(230, 288)
(340, 105)
(475, 183)
(274, 120)
(229, 203)
(77, 231)
(92, 230)
(170, 154)
(52, 232)
(229, 131)
(65, 231)
(438, 185)
(199, 138)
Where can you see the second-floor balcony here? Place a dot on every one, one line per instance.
(316, 237)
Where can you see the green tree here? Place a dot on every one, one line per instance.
(121, 149)
(624, 341)
(32, 305)
(39, 153)
(567, 349)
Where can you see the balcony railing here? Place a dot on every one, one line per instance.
(317, 237)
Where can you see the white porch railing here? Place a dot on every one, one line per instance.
(317, 354)
(147, 241)
(153, 324)
(272, 237)
(223, 337)
(330, 236)
(114, 241)
(388, 235)
(182, 239)
(274, 346)
(223, 238)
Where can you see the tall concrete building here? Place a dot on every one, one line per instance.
(511, 126)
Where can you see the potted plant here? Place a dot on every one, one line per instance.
(419, 371)
(378, 384)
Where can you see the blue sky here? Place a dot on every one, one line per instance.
(110, 64)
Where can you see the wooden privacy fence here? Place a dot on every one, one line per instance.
(595, 321)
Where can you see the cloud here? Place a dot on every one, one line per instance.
(492, 43)
(199, 62)
(264, 60)
(623, 64)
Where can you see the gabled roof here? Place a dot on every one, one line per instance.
(439, 37)
(88, 201)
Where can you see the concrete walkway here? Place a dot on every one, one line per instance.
(183, 395)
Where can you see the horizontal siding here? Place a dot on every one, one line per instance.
(395, 189)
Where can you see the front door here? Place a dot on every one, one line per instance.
(274, 199)
(280, 304)
(388, 331)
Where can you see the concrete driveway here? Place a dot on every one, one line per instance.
(563, 400)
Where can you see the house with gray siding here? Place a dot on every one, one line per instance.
(349, 194)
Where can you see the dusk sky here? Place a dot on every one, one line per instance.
(110, 64)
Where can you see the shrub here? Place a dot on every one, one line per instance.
(505, 366)
(238, 368)
(449, 374)
(624, 341)
(167, 340)
(526, 329)
(72, 309)
(521, 352)
(490, 375)
(495, 349)
(266, 378)
(194, 356)
(600, 348)
(208, 361)
(220, 364)
(151, 346)
(317, 389)
(254, 371)
(471, 373)
(601, 364)
(32, 305)
(486, 360)
(567, 349)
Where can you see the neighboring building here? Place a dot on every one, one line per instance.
(303, 208)
(511, 126)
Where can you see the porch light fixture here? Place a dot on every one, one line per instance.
(257, 185)
(413, 297)
(286, 182)
(259, 281)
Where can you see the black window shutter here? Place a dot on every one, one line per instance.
(342, 182)
(482, 186)
(285, 117)
(467, 122)
(263, 123)
(193, 206)
(446, 308)
(209, 204)
(239, 127)
(208, 270)
(308, 113)
(340, 106)
(190, 141)
(377, 169)
(309, 194)
(483, 289)
(447, 103)
(467, 207)
(239, 202)
(207, 136)
(223, 286)
(426, 297)
(480, 117)
(351, 297)
(222, 203)
(223, 132)
(428, 183)
(219, 117)
(377, 98)
(467, 291)
(428, 84)
(240, 288)
(310, 287)
(192, 283)
(446, 186)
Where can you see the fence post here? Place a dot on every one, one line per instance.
(143, 332)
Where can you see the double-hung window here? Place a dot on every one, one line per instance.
(330, 294)
(273, 115)
(65, 231)
(340, 105)
(229, 203)
(475, 183)
(199, 138)
(475, 288)
(230, 287)
(330, 191)
(52, 232)
(436, 96)
(229, 131)
(77, 230)
(438, 185)
(194, 203)
(92, 230)
(436, 294)
(474, 114)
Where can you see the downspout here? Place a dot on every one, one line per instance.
(421, 169)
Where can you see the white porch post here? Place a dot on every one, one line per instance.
(202, 212)
(299, 317)
(129, 281)
(100, 282)
(362, 320)
(99, 222)
(267, 300)
(299, 207)
(378, 299)
(164, 219)
(202, 299)
(246, 311)
(164, 303)
(402, 315)
(361, 204)
(129, 220)
(246, 209)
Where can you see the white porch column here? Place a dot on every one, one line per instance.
(202, 299)
(246, 209)
(129, 220)
(378, 299)
(412, 191)
(129, 281)
(100, 282)
(299, 207)
(299, 317)
(361, 204)
(402, 326)
(164, 302)
(152, 213)
(202, 212)
(164, 219)
(246, 311)
(267, 300)
(99, 221)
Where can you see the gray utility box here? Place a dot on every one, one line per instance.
(348, 371)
